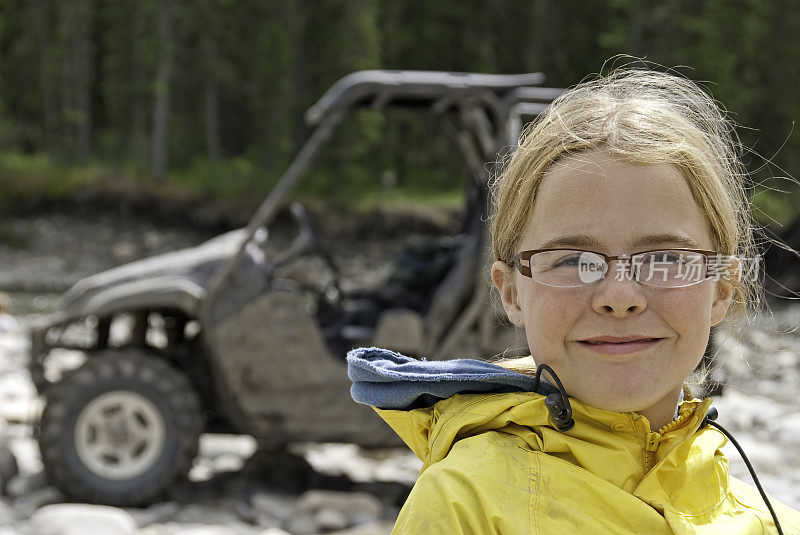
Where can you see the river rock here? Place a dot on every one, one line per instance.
(789, 429)
(81, 519)
(203, 470)
(188, 529)
(302, 525)
(373, 528)
(274, 506)
(359, 507)
(124, 252)
(208, 513)
(155, 514)
(8, 465)
(37, 499)
(7, 514)
(330, 519)
(24, 484)
(216, 445)
(228, 462)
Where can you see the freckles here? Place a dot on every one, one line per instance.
(689, 301)
(686, 310)
(555, 313)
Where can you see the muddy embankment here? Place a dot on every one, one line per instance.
(48, 246)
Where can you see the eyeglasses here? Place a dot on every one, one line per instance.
(667, 268)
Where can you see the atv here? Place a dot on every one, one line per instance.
(220, 338)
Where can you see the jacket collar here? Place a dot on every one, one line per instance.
(426, 404)
(618, 447)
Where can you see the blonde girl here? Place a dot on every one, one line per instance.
(620, 234)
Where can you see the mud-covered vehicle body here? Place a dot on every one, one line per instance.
(218, 338)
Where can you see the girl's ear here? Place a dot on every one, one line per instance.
(726, 284)
(502, 279)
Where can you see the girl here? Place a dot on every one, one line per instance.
(619, 236)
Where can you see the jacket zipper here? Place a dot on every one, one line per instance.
(652, 441)
(653, 438)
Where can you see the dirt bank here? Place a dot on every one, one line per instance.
(51, 245)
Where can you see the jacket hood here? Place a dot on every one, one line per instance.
(389, 380)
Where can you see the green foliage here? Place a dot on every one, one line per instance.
(78, 84)
(228, 178)
(774, 206)
(12, 237)
(24, 176)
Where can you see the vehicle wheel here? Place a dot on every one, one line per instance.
(120, 429)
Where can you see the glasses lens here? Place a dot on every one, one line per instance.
(567, 268)
(670, 269)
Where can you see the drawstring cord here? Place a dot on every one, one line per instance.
(560, 410)
(709, 420)
(558, 405)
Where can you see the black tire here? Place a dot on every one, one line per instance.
(145, 382)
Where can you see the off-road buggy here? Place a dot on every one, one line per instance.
(218, 338)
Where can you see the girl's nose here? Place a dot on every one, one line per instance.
(617, 295)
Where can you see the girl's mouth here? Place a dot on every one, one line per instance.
(608, 346)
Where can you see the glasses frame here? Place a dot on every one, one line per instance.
(526, 270)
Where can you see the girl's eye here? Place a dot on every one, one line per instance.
(567, 261)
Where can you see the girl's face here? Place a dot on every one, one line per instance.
(592, 201)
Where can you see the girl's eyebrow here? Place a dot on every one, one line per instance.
(584, 241)
(660, 239)
(578, 241)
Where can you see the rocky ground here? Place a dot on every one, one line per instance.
(229, 491)
(357, 491)
(760, 365)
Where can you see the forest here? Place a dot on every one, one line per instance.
(208, 95)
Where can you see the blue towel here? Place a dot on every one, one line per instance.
(389, 380)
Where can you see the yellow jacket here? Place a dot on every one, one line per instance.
(494, 464)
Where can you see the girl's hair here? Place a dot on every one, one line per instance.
(641, 117)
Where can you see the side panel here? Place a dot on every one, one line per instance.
(274, 361)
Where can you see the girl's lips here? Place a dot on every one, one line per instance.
(620, 348)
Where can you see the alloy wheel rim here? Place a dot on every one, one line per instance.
(120, 435)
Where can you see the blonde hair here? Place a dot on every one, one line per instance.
(641, 117)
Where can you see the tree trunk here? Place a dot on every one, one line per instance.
(638, 18)
(301, 76)
(138, 122)
(83, 68)
(161, 107)
(49, 103)
(76, 80)
(213, 141)
(548, 51)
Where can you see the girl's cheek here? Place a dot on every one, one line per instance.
(553, 313)
(685, 302)
(686, 312)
